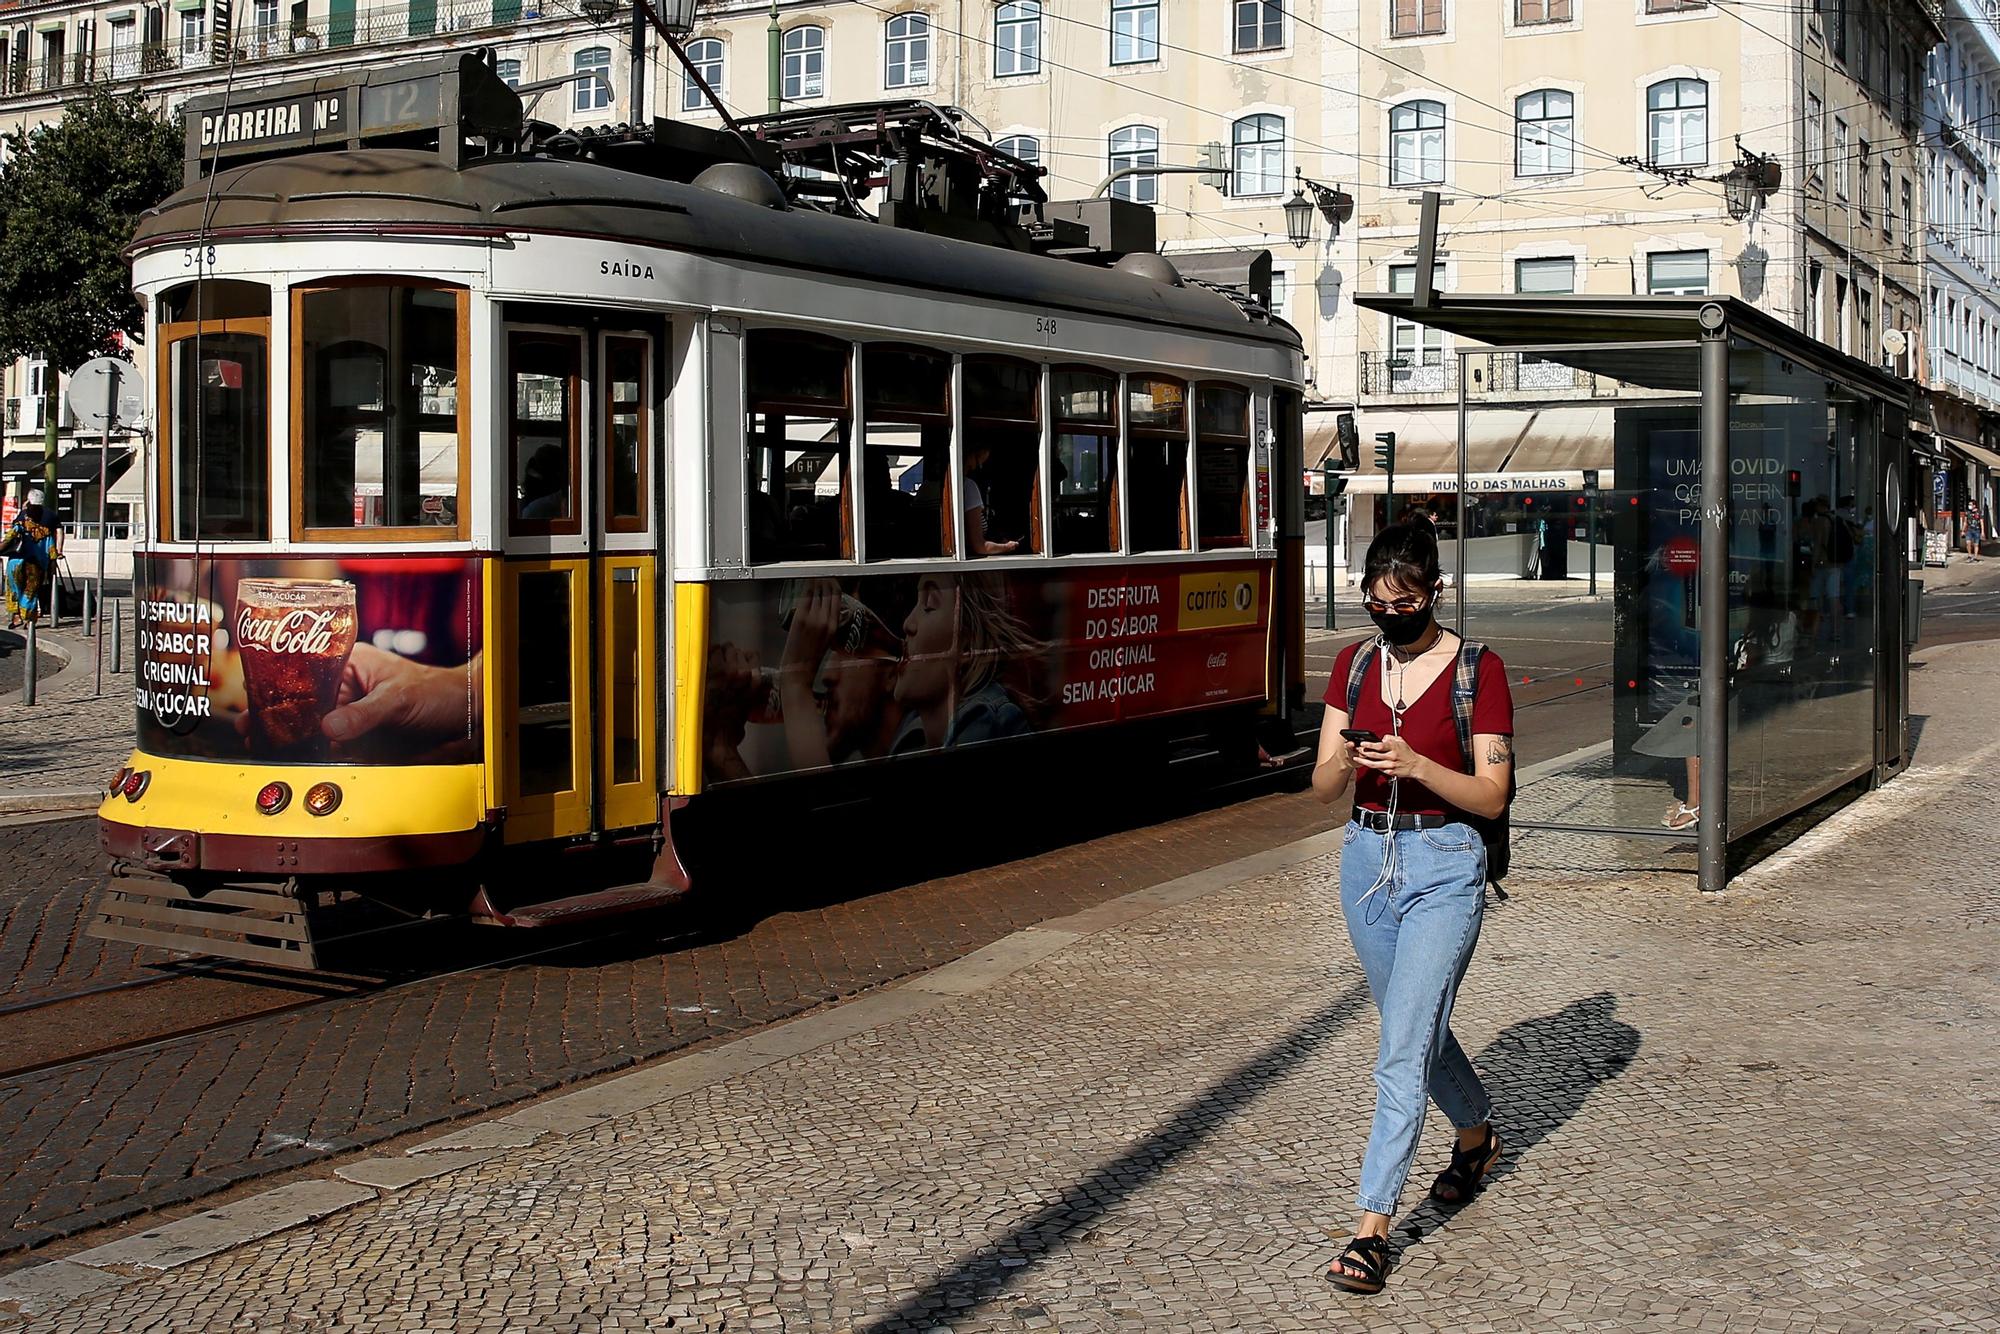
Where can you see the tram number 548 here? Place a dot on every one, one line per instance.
(1045, 326)
(198, 255)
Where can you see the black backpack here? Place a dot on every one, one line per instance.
(1493, 833)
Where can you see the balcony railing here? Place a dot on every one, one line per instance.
(1434, 375)
(1421, 372)
(253, 42)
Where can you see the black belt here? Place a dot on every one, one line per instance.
(1382, 822)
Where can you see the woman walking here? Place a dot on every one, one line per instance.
(33, 545)
(1428, 749)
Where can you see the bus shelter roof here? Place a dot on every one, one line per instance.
(1593, 327)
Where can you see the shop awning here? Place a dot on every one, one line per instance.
(1498, 438)
(77, 467)
(1980, 455)
(437, 465)
(128, 487)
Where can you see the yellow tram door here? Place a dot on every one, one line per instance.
(578, 586)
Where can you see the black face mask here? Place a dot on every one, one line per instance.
(1404, 629)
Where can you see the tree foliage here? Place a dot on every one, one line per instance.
(70, 197)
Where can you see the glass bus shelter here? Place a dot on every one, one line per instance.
(1741, 649)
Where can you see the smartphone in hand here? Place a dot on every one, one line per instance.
(1360, 736)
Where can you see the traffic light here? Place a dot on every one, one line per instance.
(1590, 481)
(1792, 484)
(1349, 441)
(1385, 451)
(1217, 176)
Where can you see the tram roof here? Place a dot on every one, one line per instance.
(412, 191)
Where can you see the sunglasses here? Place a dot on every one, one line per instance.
(1400, 607)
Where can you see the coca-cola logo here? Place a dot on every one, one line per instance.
(297, 631)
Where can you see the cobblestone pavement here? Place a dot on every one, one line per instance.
(77, 738)
(1766, 1112)
(93, 1142)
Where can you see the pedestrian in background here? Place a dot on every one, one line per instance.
(33, 546)
(1975, 531)
(1420, 724)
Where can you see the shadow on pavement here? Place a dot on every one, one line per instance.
(1539, 1072)
(978, 1276)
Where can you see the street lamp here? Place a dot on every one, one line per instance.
(1335, 205)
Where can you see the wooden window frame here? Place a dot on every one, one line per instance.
(616, 523)
(1185, 437)
(1245, 442)
(848, 412)
(1037, 536)
(166, 335)
(296, 434)
(1111, 429)
(572, 526)
(1418, 21)
(867, 415)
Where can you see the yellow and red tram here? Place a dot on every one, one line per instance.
(511, 491)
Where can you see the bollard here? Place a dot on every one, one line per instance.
(117, 635)
(55, 597)
(28, 689)
(89, 627)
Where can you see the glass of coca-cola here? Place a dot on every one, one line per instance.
(292, 638)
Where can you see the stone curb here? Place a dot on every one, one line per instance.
(38, 1289)
(72, 800)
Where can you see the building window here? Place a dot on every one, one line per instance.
(1815, 137)
(1888, 204)
(706, 56)
(1259, 163)
(1674, 6)
(509, 72)
(194, 37)
(1677, 273)
(1543, 143)
(1416, 18)
(804, 74)
(909, 59)
(1909, 219)
(593, 90)
(1260, 25)
(1677, 123)
(1136, 146)
(1842, 177)
(1865, 177)
(1023, 146)
(264, 21)
(1017, 38)
(1416, 351)
(1135, 31)
(1541, 11)
(1545, 275)
(124, 48)
(1416, 143)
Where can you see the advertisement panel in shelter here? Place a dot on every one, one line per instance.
(809, 673)
(366, 661)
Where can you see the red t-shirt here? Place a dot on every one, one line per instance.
(1427, 726)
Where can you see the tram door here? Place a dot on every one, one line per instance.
(578, 592)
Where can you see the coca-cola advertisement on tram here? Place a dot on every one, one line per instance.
(809, 673)
(301, 661)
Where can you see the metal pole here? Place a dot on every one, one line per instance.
(28, 687)
(1590, 536)
(103, 478)
(774, 39)
(1331, 520)
(117, 637)
(1712, 618)
(642, 111)
(1459, 544)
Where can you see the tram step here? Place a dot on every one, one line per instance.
(257, 923)
(578, 908)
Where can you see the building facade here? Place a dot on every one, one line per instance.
(1962, 250)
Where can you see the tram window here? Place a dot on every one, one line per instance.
(542, 431)
(542, 670)
(1156, 463)
(797, 432)
(1003, 452)
(626, 418)
(215, 299)
(906, 452)
(1222, 464)
(1086, 461)
(220, 385)
(381, 427)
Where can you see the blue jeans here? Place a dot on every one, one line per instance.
(1414, 937)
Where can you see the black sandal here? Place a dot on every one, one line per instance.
(1369, 1255)
(1469, 1168)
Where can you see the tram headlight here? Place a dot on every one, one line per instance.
(273, 797)
(323, 799)
(135, 783)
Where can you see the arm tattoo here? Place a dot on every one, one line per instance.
(1499, 750)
